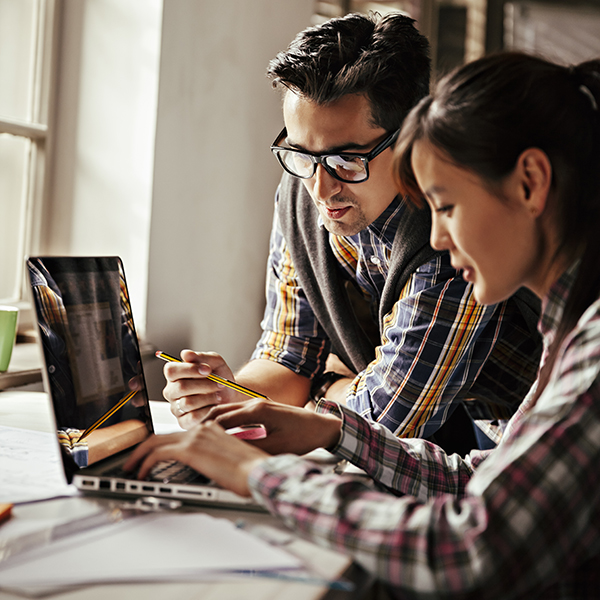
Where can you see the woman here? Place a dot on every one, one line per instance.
(506, 153)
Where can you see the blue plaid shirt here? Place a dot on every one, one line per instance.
(433, 344)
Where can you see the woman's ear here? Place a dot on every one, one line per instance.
(534, 177)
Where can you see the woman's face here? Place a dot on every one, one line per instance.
(493, 239)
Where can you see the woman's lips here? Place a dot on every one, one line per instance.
(336, 213)
(468, 274)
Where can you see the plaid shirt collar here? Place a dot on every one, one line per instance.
(553, 304)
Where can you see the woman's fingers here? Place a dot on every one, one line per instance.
(207, 449)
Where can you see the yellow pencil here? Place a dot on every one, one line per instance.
(230, 384)
(109, 413)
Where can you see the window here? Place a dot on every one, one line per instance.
(26, 42)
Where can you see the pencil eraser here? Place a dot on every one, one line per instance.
(249, 432)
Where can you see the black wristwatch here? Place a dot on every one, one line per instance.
(322, 383)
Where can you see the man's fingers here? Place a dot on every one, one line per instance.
(185, 370)
(212, 360)
(192, 418)
(189, 356)
(186, 403)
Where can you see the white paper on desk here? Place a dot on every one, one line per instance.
(163, 419)
(31, 468)
(153, 547)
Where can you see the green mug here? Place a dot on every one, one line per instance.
(8, 334)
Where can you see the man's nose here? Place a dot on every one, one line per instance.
(325, 186)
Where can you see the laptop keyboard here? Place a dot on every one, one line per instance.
(171, 471)
(168, 471)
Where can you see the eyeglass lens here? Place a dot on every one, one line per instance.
(302, 165)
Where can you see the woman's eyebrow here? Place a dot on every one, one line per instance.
(434, 190)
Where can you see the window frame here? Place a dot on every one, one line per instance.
(37, 129)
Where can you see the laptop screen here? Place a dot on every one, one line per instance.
(92, 357)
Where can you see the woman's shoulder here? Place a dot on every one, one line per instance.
(585, 337)
(577, 367)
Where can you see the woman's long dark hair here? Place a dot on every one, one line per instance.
(485, 114)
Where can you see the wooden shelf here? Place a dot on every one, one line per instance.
(25, 366)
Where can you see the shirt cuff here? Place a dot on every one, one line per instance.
(267, 477)
(328, 407)
(355, 434)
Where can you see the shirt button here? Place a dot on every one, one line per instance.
(375, 260)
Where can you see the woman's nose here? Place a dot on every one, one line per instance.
(439, 237)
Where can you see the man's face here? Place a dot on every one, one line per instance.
(342, 126)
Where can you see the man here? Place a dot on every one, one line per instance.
(360, 309)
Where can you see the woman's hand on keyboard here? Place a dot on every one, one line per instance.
(207, 449)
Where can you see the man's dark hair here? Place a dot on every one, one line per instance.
(384, 58)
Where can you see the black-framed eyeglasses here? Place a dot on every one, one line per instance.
(345, 166)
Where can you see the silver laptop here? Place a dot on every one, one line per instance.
(93, 373)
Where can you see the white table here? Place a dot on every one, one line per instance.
(30, 410)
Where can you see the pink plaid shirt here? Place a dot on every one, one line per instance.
(519, 521)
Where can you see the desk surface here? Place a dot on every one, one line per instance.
(31, 410)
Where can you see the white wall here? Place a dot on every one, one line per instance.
(163, 124)
(107, 90)
(214, 176)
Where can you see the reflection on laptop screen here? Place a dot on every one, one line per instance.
(92, 356)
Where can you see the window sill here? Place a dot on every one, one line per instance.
(25, 366)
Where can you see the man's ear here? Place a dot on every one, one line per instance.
(534, 177)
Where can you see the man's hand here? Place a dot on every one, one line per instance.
(190, 393)
(207, 449)
(289, 428)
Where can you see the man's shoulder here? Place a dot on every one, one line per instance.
(295, 208)
(290, 190)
